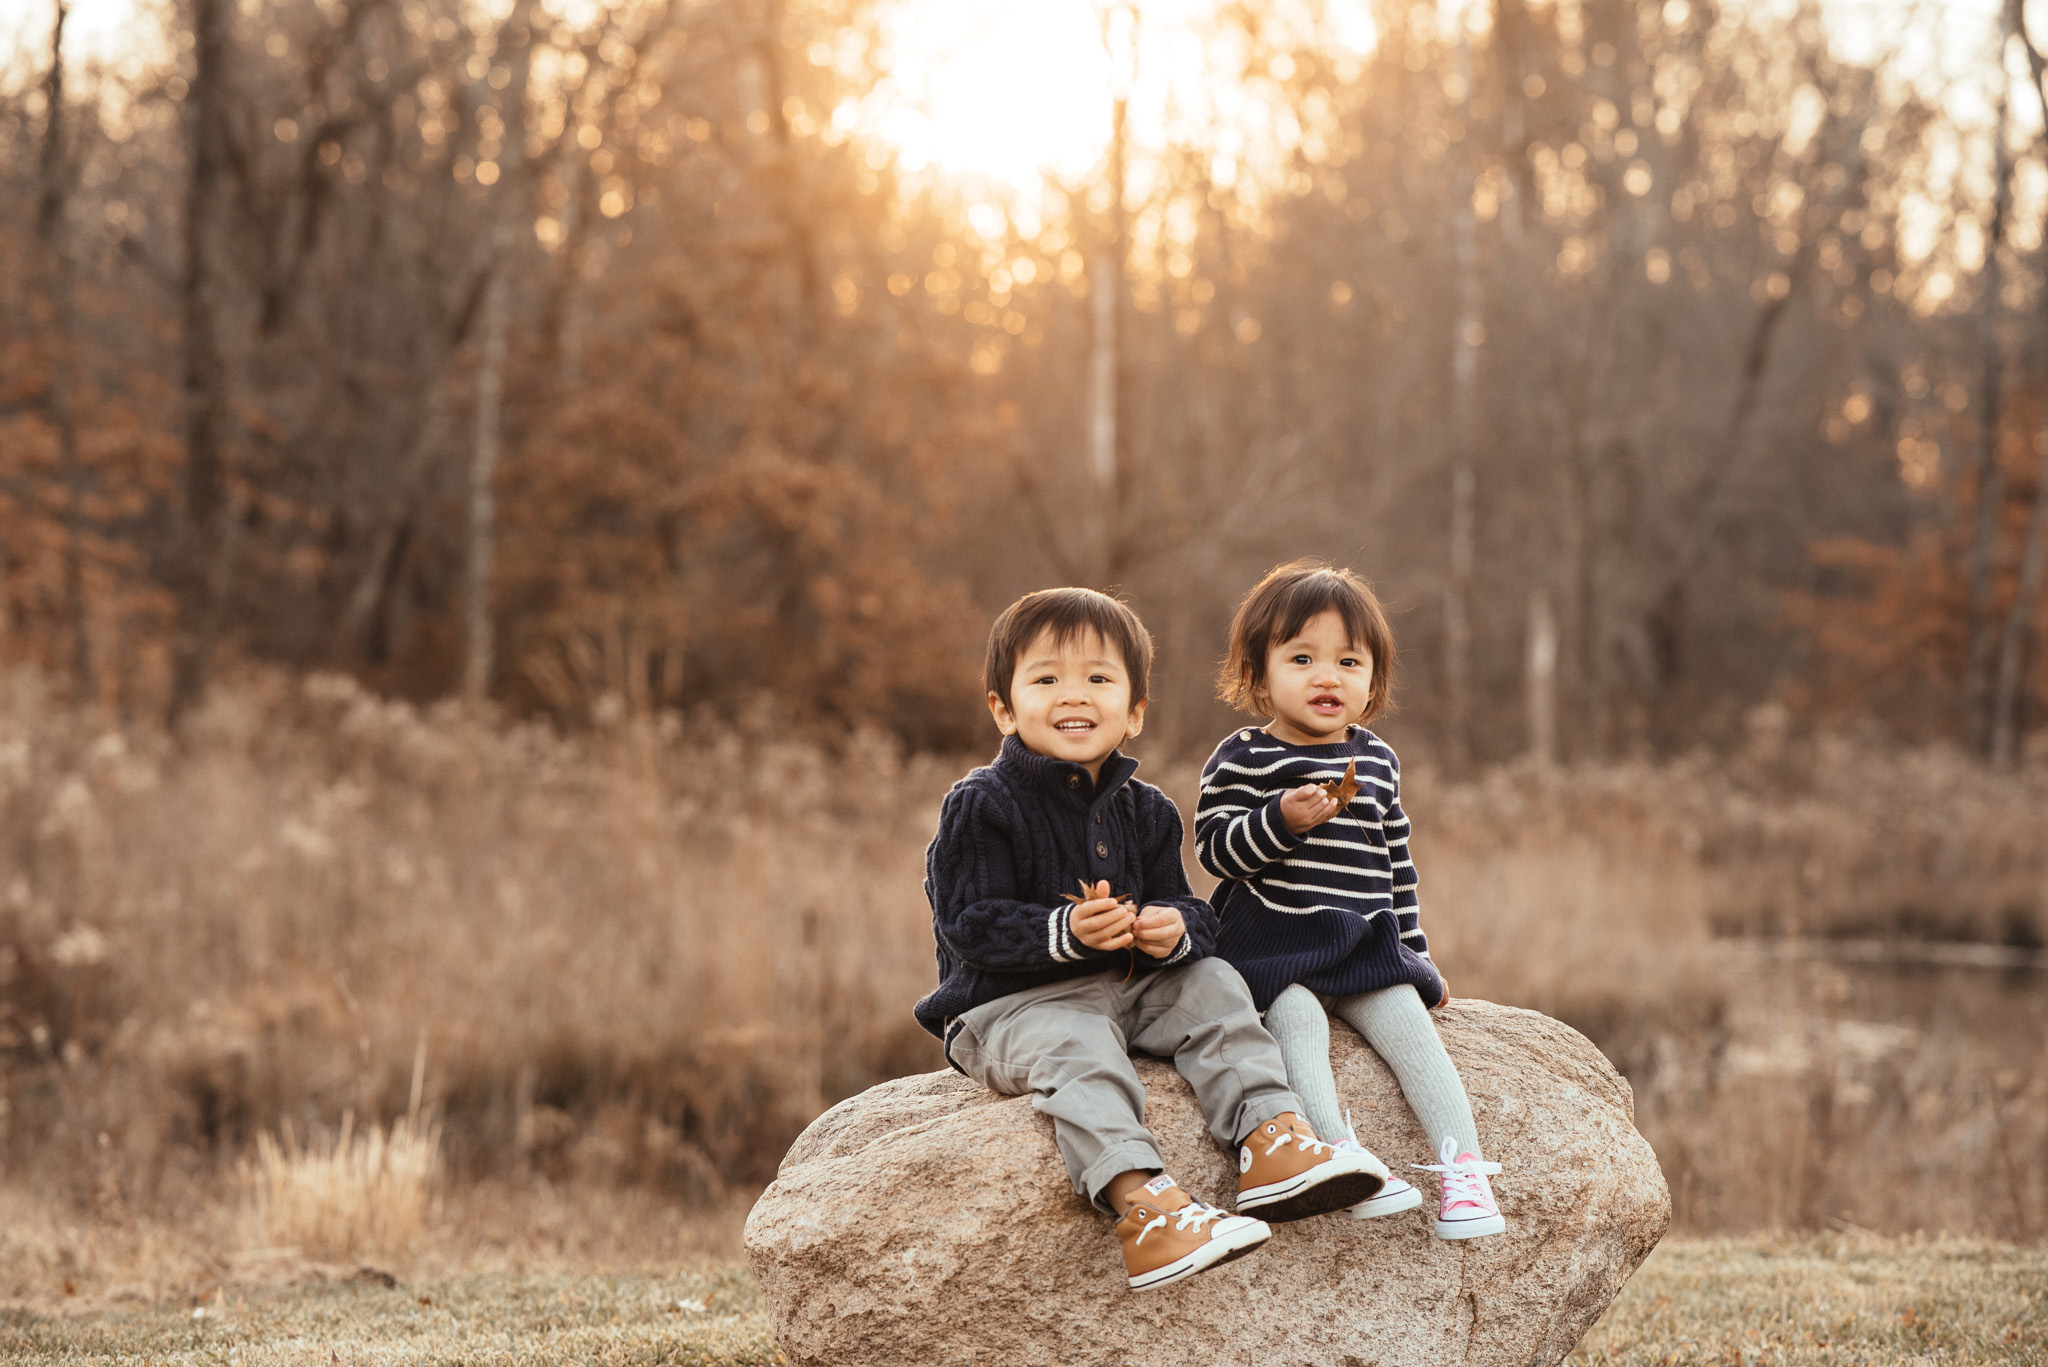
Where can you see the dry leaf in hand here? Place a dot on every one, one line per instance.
(1088, 895)
(1343, 789)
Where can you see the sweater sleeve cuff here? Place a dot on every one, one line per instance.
(1181, 951)
(1060, 941)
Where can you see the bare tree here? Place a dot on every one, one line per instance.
(1107, 439)
(1466, 340)
(512, 214)
(54, 263)
(1978, 725)
(2019, 618)
(203, 556)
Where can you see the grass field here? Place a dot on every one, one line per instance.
(1744, 1303)
(1827, 1299)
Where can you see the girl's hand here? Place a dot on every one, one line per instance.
(1159, 929)
(1446, 1000)
(1102, 922)
(1307, 807)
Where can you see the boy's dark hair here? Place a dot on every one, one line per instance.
(1281, 605)
(1068, 613)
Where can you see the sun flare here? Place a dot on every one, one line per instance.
(1020, 94)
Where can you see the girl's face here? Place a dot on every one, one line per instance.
(1318, 682)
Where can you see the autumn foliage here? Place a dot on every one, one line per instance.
(1594, 326)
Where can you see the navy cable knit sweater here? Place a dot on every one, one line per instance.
(1017, 835)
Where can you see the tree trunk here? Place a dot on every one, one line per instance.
(1471, 334)
(483, 473)
(1990, 481)
(2019, 622)
(478, 642)
(202, 570)
(1106, 435)
(60, 406)
(1542, 682)
(2019, 617)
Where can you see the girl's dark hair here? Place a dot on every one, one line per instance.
(1068, 614)
(1281, 605)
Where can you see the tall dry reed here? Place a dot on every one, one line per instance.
(650, 953)
(363, 1191)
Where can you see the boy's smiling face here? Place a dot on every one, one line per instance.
(1070, 700)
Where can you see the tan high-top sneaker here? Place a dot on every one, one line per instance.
(1167, 1235)
(1286, 1173)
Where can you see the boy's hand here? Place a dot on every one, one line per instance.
(1158, 930)
(1102, 922)
(1307, 807)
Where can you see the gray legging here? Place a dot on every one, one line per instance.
(1397, 1025)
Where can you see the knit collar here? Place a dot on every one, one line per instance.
(1350, 737)
(1026, 765)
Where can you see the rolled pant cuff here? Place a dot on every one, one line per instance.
(1258, 1111)
(1121, 1159)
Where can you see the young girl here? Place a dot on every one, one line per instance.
(1318, 900)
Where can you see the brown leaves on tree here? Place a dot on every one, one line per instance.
(1343, 789)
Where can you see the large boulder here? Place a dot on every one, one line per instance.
(929, 1221)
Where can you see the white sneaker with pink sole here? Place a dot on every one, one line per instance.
(1467, 1210)
(1393, 1198)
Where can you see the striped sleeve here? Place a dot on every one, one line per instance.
(1407, 907)
(1239, 831)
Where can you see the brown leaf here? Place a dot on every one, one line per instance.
(1088, 895)
(1343, 789)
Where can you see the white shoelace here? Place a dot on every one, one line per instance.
(1464, 1183)
(1193, 1215)
(1312, 1146)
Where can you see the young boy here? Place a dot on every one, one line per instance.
(1047, 993)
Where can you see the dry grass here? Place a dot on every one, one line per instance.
(365, 1192)
(1819, 1302)
(1815, 1302)
(53, 1262)
(642, 956)
(704, 1315)
(641, 959)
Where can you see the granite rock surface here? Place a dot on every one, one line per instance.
(928, 1221)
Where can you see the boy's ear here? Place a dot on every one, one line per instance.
(1005, 723)
(1137, 722)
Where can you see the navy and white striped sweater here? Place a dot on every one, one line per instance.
(1333, 909)
(1014, 838)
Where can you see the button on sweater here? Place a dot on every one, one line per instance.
(1333, 908)
(1015, 837)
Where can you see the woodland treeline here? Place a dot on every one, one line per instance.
(578, 357)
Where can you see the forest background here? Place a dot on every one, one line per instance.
(500, 505)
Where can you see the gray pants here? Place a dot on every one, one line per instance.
(1397, 1025)
(1070, 1043)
